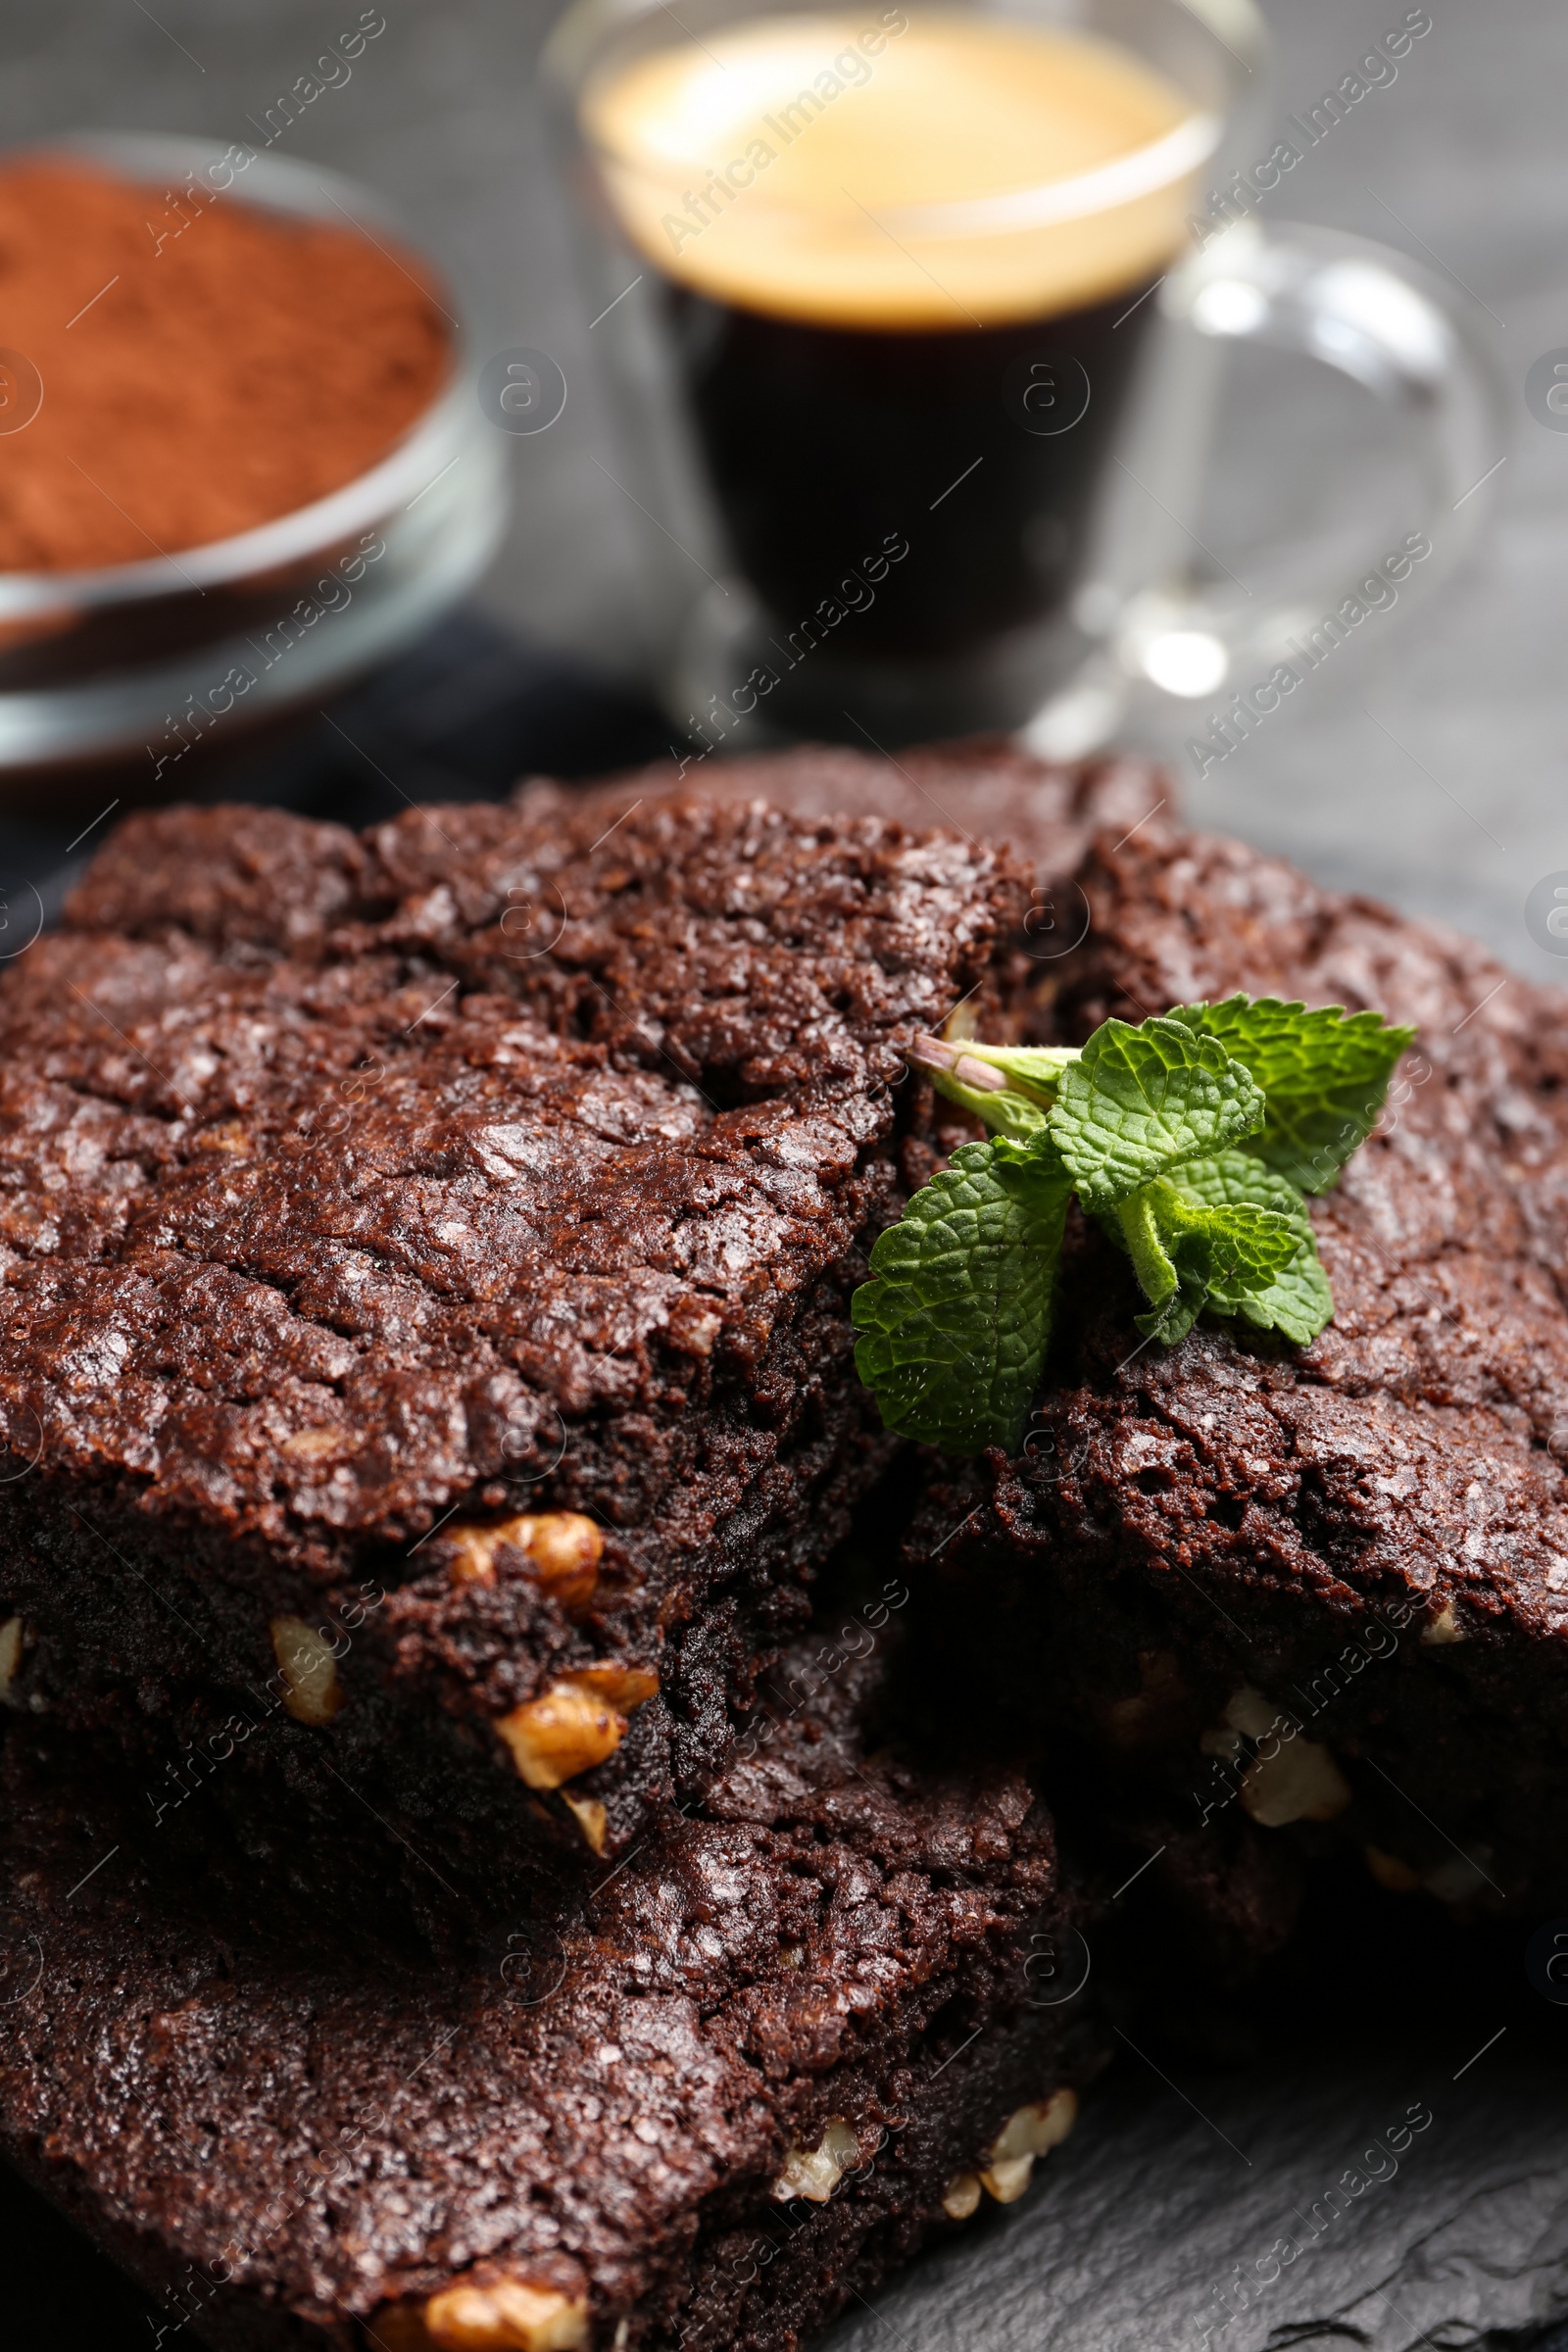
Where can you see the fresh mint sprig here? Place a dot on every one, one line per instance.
(1141, 1101)
(955, 1323)
(1323, 1073)
(1192, 1137)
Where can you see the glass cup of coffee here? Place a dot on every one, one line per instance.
(915, 319)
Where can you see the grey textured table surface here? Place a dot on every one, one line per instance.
(1425, 764)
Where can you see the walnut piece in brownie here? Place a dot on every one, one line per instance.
(725, 2090)
(1329, 1585)
(425, 1262)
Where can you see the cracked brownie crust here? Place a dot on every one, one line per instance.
(432, 1249)
(746, 2072)
(981, 787)
(1330, 1583)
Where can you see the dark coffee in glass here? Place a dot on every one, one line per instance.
(981, 451)
(906, 265)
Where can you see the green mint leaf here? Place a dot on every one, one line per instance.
(1324, 1075)
(1141, 1101)
(1294, 1299)
(1190, 1251)
(955, 1321)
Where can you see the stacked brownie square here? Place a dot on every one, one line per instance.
(429, 1308)
(704, 2101)
(1325, 1589)
(426, 1397)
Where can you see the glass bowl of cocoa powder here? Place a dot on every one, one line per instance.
(241, 455)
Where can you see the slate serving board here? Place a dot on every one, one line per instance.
(1150, 2235)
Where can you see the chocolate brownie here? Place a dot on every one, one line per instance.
(708, 2104)
(425, 1262)
(1047, 813)
(1326, 1585)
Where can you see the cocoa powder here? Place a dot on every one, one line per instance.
(203, 370)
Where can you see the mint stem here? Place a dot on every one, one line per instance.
(933, 1054)
(1140, 1231)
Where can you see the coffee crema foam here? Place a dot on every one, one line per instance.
(899, 171)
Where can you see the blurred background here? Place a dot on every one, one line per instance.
(1425, 764)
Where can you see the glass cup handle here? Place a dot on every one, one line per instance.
(1381, 319)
